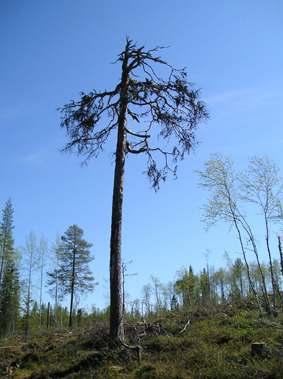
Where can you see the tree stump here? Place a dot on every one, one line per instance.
(258, 348)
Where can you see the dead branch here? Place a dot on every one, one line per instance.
(137, 348)
(14, 347)
(188, 323)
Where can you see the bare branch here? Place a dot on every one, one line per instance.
(137, 134)
(169, 107)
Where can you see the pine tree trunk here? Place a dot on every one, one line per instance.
(116, 303)
(72, 288)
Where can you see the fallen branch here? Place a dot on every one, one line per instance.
(13, 347)
(136, 348)
(185, 327)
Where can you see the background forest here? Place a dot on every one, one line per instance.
(35, 298)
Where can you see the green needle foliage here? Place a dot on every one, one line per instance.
(9, 299)
(73, 271)
(9, 275)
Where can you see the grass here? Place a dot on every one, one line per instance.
(216, 346)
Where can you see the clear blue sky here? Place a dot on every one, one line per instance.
(51, 50)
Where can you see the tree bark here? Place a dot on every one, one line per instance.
(241, 284)
(235, 222)
(250, 234)
(264, 288)
(3, 257)
(116, 306)
(123, 287)
(222, 291)
(48, 316)
(273, 282)
(251, 285)
(72, 288)
(281, 254)
(27, 321)
(40, 293)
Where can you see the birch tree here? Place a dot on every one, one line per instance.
(42, 251)
(220, 179)
(30, 251)
(262, 186)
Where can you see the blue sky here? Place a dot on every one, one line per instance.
(52, 50)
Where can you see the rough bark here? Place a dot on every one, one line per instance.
(170, 108)
(116, 306)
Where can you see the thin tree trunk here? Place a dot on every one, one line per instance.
(41, 286)
(222, 291)
(270, 263)
(3, 257)
(56, 301)
(1, 268)
(265, 294)
(48, 316)
(123, 287)
(235, 222)
(61, 317)
(72, 288)
(246, 263)
(281, 254)
(116, 306)
(27, 326)
(56, 293)
(249, 232)
(241, 284)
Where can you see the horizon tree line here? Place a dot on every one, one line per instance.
(234, 194)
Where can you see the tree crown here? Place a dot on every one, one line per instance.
(158, 109)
